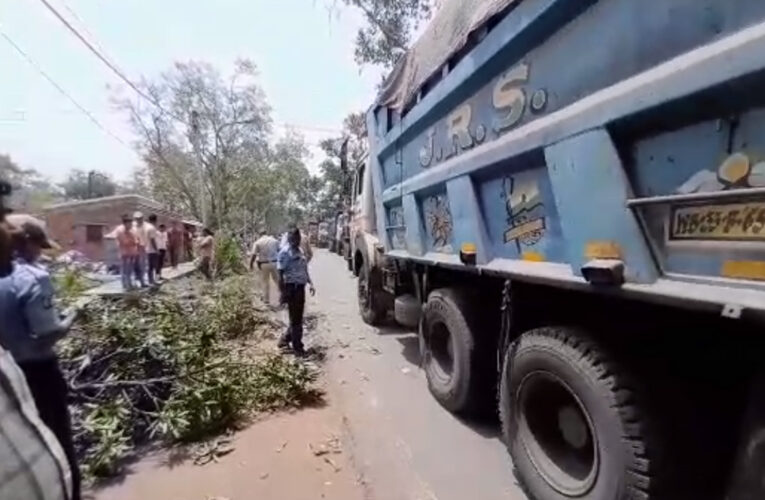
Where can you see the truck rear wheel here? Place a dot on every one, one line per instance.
(457, 375)
(369, 288)
(572, 422)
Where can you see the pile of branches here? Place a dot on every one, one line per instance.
(172, 367)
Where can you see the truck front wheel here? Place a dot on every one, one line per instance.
(369, 290)
(572, 421)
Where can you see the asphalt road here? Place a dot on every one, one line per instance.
(403, 444)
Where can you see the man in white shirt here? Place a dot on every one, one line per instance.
(139, 228)
(264, 253)
(161, 248)
(152, 249)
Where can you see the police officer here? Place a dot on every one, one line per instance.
(292, 265)
(30, 326)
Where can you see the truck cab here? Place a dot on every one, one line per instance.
(366, 258)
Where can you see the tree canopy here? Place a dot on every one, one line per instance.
(208, 151)
(390, 25)
(82, 185)
(336, 181)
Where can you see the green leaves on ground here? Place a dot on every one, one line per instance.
(70, 283)
(172, 366)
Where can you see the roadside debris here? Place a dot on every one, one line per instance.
(332, 464)
(211, 451)
(331, 446)
(164, 367)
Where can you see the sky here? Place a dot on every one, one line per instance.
(304, 53)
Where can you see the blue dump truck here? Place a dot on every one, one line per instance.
(567, 199)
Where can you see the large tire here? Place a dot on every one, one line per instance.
(573, 422)
(369, 291)
(455, 360)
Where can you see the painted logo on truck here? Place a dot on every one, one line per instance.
(462, 130)
(438, 220)
(525, 212)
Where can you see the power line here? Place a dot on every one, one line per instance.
(108, 63)
(84, 26)
(61, 89)
(121, 75)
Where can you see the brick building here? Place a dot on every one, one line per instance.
(83, 225)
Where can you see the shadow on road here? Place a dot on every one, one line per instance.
(392, 328)
(410, 349)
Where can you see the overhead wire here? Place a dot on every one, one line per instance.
(115, 69)
(108, 63)
(61, 90)
(84, 27)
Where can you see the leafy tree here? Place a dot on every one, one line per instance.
(336, 180)
(31, 190)
(207, 151)
(390, 25)
(82, 185)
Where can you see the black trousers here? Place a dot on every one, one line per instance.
(173, 251)
(160, 261)
(294, 296)
(48, 387)
(153, 262)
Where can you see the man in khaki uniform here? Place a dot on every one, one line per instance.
(264, 253)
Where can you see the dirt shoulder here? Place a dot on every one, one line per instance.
(287, 456)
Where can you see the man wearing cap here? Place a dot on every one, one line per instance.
(30, 325)
(33, 462)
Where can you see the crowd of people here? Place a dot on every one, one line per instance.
(144, 248)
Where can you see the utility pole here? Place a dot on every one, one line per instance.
(195, 136)
(90, 184)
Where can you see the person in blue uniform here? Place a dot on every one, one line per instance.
(30, 325)
(292, 265)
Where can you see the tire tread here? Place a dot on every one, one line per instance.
(642, 444)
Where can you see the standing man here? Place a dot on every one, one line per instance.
(34, 464)
(29, 328)
(128, 246)
(293, 277)
(174, 243)
(188, 239)
(152, 249)
(139, 228)
(162, 238)
(206, 247)
(265, 250)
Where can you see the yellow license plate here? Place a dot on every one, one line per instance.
(729, 221)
